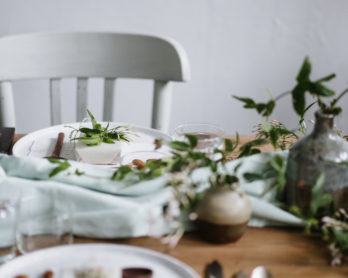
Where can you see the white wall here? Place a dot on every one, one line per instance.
(243, 47)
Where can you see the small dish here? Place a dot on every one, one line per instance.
(102, 154)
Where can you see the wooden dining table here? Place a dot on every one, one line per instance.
(284, 251)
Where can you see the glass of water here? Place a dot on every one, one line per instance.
(9, 197)
(43, 222)
(8, 211)
(209, 136)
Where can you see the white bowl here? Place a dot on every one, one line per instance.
(101, 154)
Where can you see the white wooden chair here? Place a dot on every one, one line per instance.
(84, 55)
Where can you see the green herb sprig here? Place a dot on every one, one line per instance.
(97, 134)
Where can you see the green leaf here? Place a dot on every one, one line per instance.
(108, 141)
(90, 141)
(54, 160)
(197, 155)
(247, 148)
(89, 131)
(305, 71)
(318, 199)
(213, 166)
(156, 164)
(342, 238)
(94, 122)
(298, 99)
(320, 90)
(268, 108)
(279, 161)
(193, 140)
(230, 179)
(63, 165)
(327, 78)
(319, 185)
(121, 173)
(250, 177)
(79, 173)
(179, 146)
(296, 211)
(321, 201)
(265, 109)
(178, 163)
(237, 140)
(228, 145)
(248, 102)
(255, 142)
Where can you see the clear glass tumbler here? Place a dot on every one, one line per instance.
(43, 222)
(9, 197)
(209, 136)
(8, 211)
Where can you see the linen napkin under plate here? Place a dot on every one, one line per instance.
(109, 209)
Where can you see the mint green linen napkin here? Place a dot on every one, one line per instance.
(108, 209)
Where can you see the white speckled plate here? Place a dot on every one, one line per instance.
(41, 143)
(110, 257)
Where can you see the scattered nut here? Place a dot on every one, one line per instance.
(139, 164)
(21, 276)
(48, 274)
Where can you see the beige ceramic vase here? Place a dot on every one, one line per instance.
(223, 214)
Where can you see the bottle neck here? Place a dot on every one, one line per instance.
(324, 123)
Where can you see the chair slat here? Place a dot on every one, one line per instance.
(55, 102)
(109, 97)
(7, 113)
(81, 98)
(161, 106)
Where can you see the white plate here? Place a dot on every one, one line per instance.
(111, 257)
(41, 143)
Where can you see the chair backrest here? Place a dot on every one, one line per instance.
(84, 55)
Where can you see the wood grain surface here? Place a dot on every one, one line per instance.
(286, 252)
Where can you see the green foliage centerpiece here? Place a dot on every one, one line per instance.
(313, 184)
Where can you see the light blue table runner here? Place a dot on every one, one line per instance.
(127, 210)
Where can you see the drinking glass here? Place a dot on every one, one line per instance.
(43, 222)
(8, 215)
(9, 197)
(209, 136)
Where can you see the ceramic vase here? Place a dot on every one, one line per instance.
(322, 151)
(223, 214)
